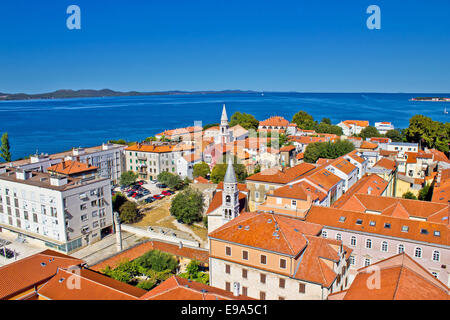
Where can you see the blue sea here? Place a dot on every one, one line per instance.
(51, 126)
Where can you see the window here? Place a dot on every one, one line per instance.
(437, 233)
(436, 255)
(352, 260)
(283, 263)
(387, 225)
(262, 278)
(353, 241)
(301, 288)
(367, 262)
(95, 224)
(227, 286)
(256, 194)
(282, 283)
(372, 223)
(245, 255)
(244, 291)
(324, 234)
(369, 244)
(83, 207)
(262, 295)
(423, 231)
(401, 248)
(228, 251)
(418, 252)
(227, 268)
(405, 228)
(342, 219)
(338, 236)
(84, 217)
(435, 274)
(294, 203)
(359, 221)
(244, 273)
(263, 259)
(384, 246)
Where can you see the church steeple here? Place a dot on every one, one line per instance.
(224, 128)
(230, 194)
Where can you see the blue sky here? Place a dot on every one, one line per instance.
(306, 46)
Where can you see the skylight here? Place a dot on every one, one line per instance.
(341, 219)
(405, 228)
(387, 225)
(423, 231)
(359, 221)
(372, 223)
(437, 233)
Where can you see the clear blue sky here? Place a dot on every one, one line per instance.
(307, 46)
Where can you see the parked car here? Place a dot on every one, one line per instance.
(134, 195)
(157, 197)
(145, 192)
(139, 196)
(166, 193)
(149, 200)
(140, 183)
(161, 185)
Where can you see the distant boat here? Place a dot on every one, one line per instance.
(445, 110)
(262, 93)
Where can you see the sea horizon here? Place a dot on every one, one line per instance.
(56, 125)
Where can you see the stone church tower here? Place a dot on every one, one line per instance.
(224, 127)
(230, 195)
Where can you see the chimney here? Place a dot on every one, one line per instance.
(58, 180)
(22, 174)
(180, 245)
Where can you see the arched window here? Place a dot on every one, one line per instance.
(401, 248)
(384, 246)
(436, 255)
(338, 236)
(353, 241)
(418, 252)
(324, 234)
(227, 199)
(369, 244)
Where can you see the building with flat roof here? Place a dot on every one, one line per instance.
(57, 211)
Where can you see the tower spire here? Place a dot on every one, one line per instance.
(230, 176)
(224, 114)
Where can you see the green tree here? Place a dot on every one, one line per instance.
(326, 121)
(328, 128)
(328, 150)
(201, 170)
(120, 141)
(369, 132)
(245, 120)
(5, 148)
(187, 206)
(149, 139)
(193, 268)
(219, 170)
(409, 195)
(117, 201)
(429, 133)
(257, 169)
(173, 181)
(158, 261)
(303, 120)
(128, 177)
(128, 212)
(147, 284)
(426, 193)
(394, 135)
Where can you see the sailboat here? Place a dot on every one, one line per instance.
(445, 110)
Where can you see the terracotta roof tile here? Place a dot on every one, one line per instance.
(71, 167)
(282, 177)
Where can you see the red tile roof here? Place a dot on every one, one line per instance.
(401, 278)
(216, 202)
(373, 182)
(331, 217)
(23, 274)
(299, 191)
(368, 145)
(201, 180)
(71, 167)
(360, 123)
(87, 285)
(241, 186)
(275, 121)
(386, 164)
(254, 229)
(139, 250)
(282, 177)
(177, 288)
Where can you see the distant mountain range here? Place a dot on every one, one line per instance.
(87, 93)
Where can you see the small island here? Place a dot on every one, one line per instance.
(430, 99)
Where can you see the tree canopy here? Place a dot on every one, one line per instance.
(328, 150)
(409, 195)
(245, 120)
(210, 125)
(394, 135)
(5, 148)
(128, 212)
(128, 177)
(201, 170)
(369, 132)
(187, 206)
(431, 134)
(219, 170)
(173, 181)
(303, 120)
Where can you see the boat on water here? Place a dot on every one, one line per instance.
(445, 110)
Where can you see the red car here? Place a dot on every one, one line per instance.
(157, 196)
(140, 183)
(134, 195)
(166, 193)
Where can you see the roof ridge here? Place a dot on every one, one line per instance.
(285, 238)
(101, 284)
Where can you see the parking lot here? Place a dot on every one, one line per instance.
(15, 250)
(144, 191)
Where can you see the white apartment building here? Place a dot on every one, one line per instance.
(109, 158)
(60, 212)
(384, 127)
